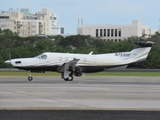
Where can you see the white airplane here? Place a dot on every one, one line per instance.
(76, 64)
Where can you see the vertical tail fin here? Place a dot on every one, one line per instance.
(140, 53)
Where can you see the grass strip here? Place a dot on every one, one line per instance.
(125, 74)
(11, 73)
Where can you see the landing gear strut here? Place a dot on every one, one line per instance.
(30, 78)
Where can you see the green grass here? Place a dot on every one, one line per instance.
(27, 73)
(126, 74)
(20, 73)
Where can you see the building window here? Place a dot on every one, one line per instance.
(112, 32)
(33, 29)
(115, 40)
(101, 32)
(115, 32)
(119, 32)
(62, 30)
(119, 40)
(96, 32)
(104, 32)
(4, 17)
(108, 32)
(53, 18)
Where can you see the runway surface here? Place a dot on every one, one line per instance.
(121, 98)
(84, 93)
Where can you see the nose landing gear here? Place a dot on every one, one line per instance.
(30, 78)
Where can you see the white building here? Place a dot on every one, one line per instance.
(27, 24)
(116, 32)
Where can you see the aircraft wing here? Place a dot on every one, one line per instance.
(69, 66)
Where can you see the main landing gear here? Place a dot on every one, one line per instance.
(69, 78)
(30, 78)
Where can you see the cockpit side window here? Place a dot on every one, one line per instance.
(42, 56)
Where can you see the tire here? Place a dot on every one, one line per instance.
(30, 78)
(70, 78)
(66, 79)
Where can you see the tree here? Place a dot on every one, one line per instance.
(15, 46)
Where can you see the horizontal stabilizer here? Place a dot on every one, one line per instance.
(144, 43)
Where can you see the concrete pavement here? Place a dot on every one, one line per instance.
(84, 93)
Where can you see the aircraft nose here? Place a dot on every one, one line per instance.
(8, 61)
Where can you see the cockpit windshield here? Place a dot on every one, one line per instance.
(42, 56)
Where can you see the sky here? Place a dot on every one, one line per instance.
(93, 11)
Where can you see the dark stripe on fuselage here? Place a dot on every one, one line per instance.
(51, 68)
(85, 69)
(39, 68)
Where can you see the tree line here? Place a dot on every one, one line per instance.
(13, 46)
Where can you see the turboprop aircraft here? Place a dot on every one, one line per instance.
(75, 64)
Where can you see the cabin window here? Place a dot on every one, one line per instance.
(60, 58)
(42, 56)
(84, 60)
(66, 59)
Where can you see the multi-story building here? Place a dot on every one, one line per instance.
(116, 32)
(27, 24)
(30, 27)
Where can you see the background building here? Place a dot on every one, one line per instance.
(27, 24)
(116, 32)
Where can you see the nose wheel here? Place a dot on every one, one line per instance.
(30, 78)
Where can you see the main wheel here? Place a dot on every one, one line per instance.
(70, 78)
(30, 78)
(66, 79)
